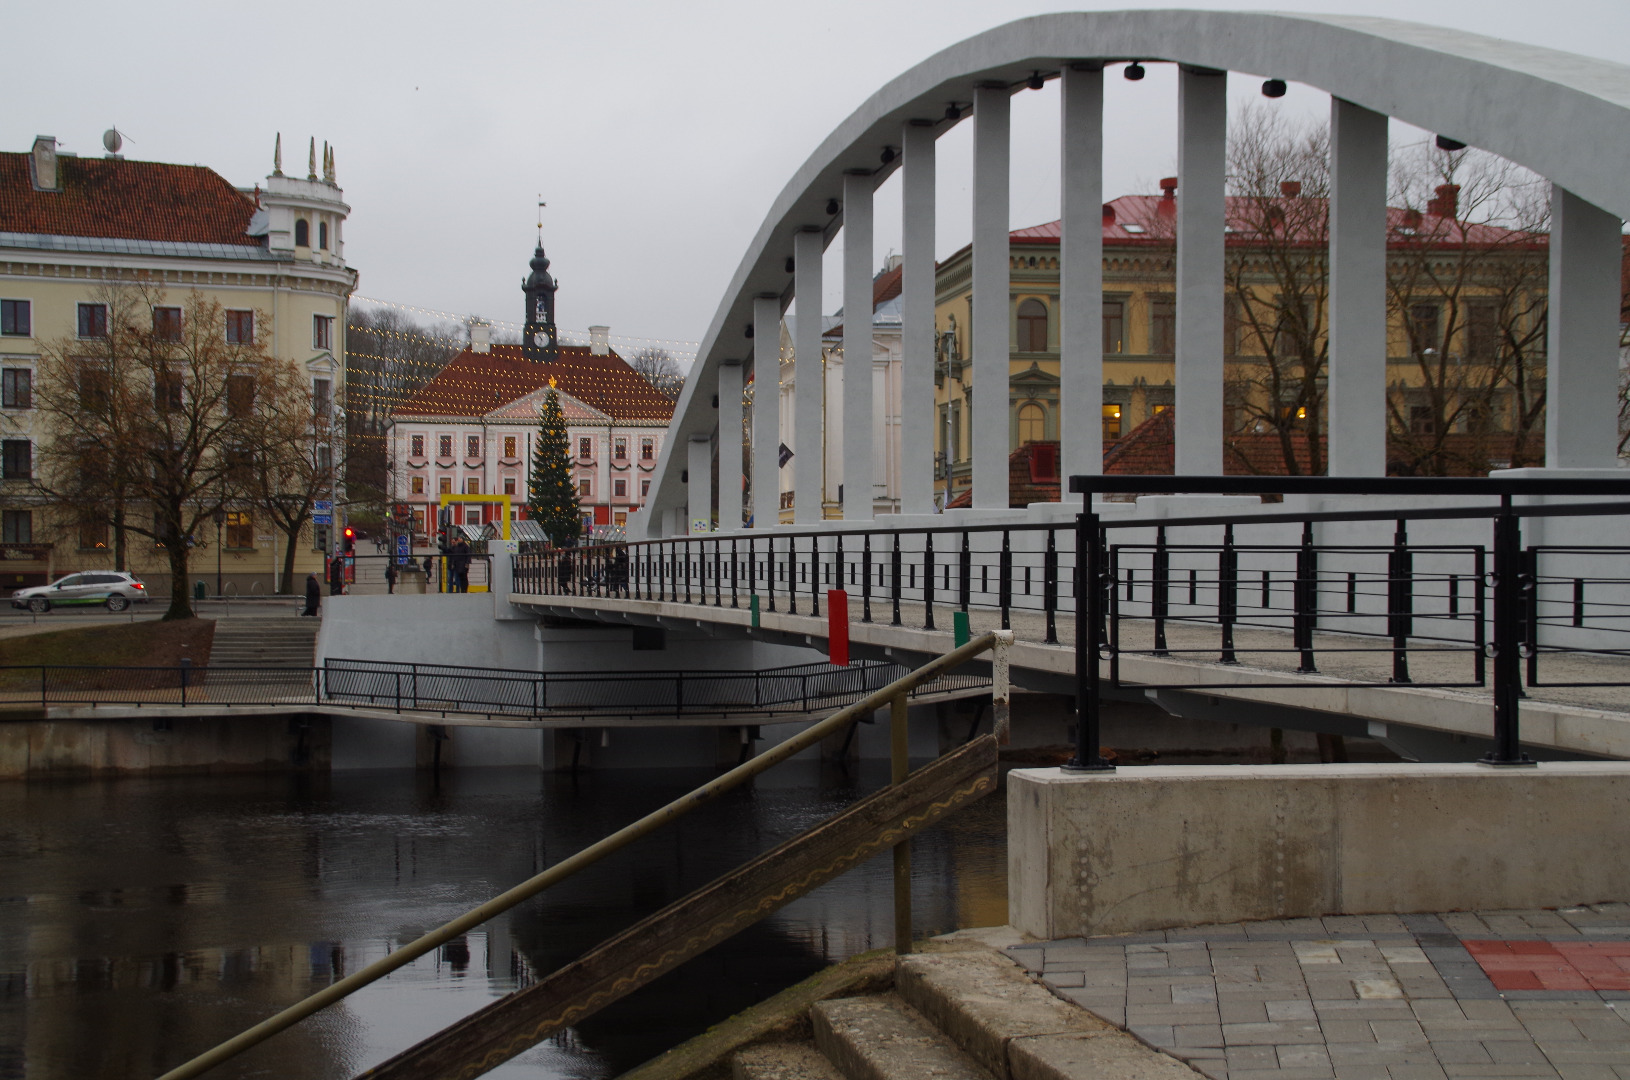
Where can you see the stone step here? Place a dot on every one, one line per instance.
(883, 1038)
(782, 1061)
(264, 642)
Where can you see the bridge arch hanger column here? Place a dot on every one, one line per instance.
(1500, 96)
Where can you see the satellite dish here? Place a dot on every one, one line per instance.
(112, 140)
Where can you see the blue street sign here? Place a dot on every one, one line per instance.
(403, 550)
(322, 506)
(322, 519)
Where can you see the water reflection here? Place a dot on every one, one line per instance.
(142, 921)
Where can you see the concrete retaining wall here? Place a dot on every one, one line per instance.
(177, 743)
(1159, 846)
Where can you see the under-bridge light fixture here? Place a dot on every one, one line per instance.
(953, 111)
(888, 154)
(832, 207)
(1035, 82)
(1134, 71)
(1273, 88)
(1451, 145)
(791, 266)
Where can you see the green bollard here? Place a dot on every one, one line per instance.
(753, 605)
(199, 590)
(959, 627)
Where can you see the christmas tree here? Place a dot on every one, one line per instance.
(551, 497)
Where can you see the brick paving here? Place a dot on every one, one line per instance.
(1454, 996)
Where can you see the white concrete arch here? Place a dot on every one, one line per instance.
(1566, 117)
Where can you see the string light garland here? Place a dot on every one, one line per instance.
(681, 350)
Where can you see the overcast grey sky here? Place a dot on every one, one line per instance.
(658, 132)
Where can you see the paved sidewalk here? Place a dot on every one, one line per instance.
(1375, 997)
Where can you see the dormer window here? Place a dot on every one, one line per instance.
(302, 233)
(322, 236)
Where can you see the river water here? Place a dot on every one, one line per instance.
(143, 921)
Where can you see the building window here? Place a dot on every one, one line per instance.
(16, 318)
(18, 388)
(93, 387)
(584, 487)
(167, 323)
(585, 447)
(93, 535)
(509, 447)
(619, 449)
(240, 395)
(1424, 331)
(416, 485)
(619, 488)
(648, 449)
(167, 390)
(1421, 420)
(240, 328)
(93, 320)
(1032, 423)
(1162, 325)
(444, 446)
(645, 489)
(509, 485)
(472, 485)
(417, 444)
(1032, 326)
(446, 485)
(325, 459)
(322, 331)
(1482, 329)
(18, 459)
(1230, 325)
(322, 236)
(472, 446)
(18, 527)
(302, 232)
(240, 530)
(1114, 326)
(322, 397)
(1112, 422)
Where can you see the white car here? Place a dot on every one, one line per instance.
(114, 589)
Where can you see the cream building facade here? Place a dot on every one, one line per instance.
(272, 256)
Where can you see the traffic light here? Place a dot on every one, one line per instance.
(350, 540)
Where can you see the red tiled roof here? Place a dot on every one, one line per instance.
(474, 384)
(129, 200)
(1023, 488)
(887, 285)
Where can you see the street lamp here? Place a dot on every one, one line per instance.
(220, 519)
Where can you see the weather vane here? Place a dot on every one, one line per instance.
(541, 205)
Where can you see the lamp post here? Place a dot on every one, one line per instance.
(220, 519)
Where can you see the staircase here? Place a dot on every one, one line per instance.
(969, 1015)
(249, 641)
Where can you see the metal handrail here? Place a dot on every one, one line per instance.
(810, 736)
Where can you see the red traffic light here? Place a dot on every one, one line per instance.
(350, 533)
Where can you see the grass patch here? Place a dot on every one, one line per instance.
(137, 644)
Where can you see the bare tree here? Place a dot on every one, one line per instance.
(1277, 270)
(389, 357)
(1466, 285)
(295, 435)
(151, 417)
(660, 369)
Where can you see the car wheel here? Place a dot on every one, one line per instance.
(117, 603)
(39, 605)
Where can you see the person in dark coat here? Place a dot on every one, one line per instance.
(390, 576)
(336, 577)
(458, 566)
(314, 594)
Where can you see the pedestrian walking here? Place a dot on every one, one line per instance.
(430, 572)
(390, 576)
(460, 566)
(314, 594)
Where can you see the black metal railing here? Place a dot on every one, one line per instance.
(1415, 592)
(444, 688)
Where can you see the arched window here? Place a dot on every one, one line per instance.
(1032, 423)
(322, 236)
(1032, 326)
(302, 233)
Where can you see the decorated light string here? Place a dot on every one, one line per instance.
(689, 348)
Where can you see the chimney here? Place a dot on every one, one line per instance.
(1168, 187)
(480, 335)
(1447, 204)
(599, 340)
(1290, 188)
(45, 163)
(1109, 214)
(1412, 219)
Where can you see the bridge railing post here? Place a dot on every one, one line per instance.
(1509, 584)
(1004, 580)
(895, 569)
(1305, 598)
(1089, 614)
(1400, 601)
(866, 579)
(928, 581)
(1049, 586)
(1228, 593)
(965, 574)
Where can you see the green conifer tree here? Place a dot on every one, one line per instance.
(551, 497)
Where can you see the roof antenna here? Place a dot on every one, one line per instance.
(113, 139)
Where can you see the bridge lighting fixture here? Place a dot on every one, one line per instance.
(953, 111)
(832, 206)
(1134, 71)
(1273, 88)
(1451, 145)
(1036, 82)
(791, 266)
(888, 154)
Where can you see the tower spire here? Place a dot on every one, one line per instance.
(311, 160)
(277, 156)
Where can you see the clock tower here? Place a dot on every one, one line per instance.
(538, 337)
